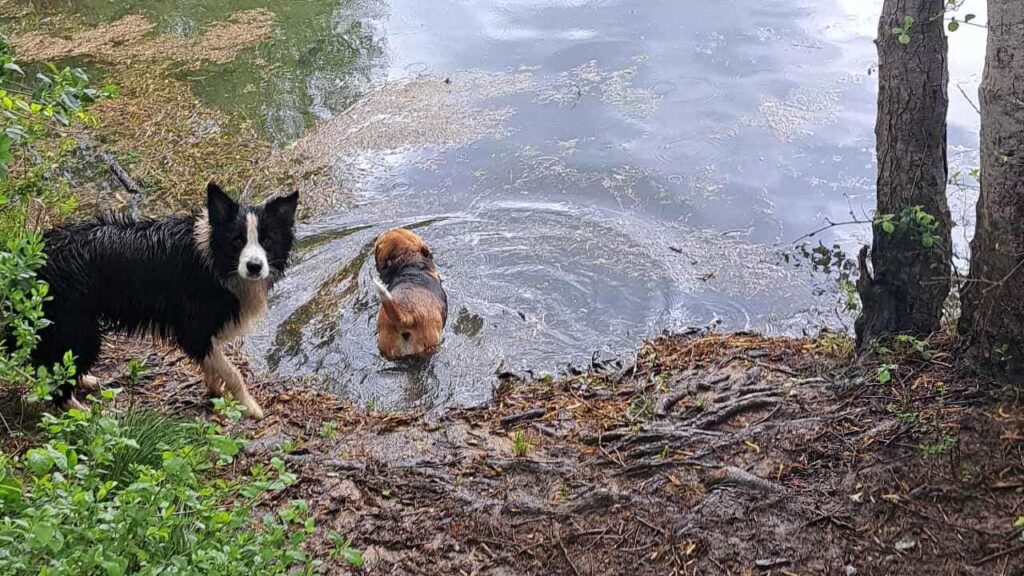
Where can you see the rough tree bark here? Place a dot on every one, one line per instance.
(910, 281)
(993, 297)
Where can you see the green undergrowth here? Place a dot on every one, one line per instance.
(135, 492)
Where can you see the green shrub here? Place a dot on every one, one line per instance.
(33, 108)
(102, 495)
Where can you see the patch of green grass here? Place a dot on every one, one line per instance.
(520, 445)
(940, 449)
(835, 344)
(151, 434)
(329, 430)
(903, 415)
(642, 408)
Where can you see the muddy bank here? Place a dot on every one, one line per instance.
(712, 455)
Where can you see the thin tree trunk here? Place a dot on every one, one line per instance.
(910, 283)
(993, 297)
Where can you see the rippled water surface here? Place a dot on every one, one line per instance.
(588, 173)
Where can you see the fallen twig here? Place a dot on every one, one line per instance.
(531, 414)
(740, 477)
(126, 181)
(997, 555)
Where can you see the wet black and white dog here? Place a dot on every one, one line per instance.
(195, 280)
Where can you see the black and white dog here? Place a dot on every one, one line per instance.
(194, 280)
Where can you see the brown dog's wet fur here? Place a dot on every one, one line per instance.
(414, 306)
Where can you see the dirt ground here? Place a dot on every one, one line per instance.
(709, 454)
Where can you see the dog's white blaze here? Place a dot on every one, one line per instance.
(253, 252)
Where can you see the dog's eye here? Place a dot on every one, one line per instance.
(406, 336)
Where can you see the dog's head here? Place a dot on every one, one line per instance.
(414, 309)
(397, 248)
(247, 242)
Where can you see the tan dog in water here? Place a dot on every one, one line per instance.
(413, 304)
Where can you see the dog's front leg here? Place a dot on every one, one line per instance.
(216, 369)
(89, 383)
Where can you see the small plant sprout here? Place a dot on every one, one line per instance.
(134, 370)
(329, 430)
(902, 32)
(344, 551)
(944, 446)
(886, 372)
(520, 445)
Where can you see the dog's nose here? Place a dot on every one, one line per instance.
(254, 267)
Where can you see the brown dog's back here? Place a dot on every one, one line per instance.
(414, 306)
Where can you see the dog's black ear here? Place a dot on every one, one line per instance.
(283, 208)
(219, 205)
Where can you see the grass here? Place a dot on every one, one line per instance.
(153, 434)
(944, 446)
(329, 430)
(642, 408)
(520, 445)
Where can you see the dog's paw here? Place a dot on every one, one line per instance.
(89, 383)
(74, 403)
(253, 410)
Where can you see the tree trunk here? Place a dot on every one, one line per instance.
(910, 283)
(993, 297)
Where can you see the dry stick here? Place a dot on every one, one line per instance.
(532, 414)
(831, 224)
(126, 181)
(997, 555)
(567, 559)
(968, 98)
(741, 477)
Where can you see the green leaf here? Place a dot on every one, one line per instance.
(954, 25)
(904, 39)
(14, 68)
(888, 227)
(115, 567)
(353, 557)
(226, 446)
(42, 534)
(970, 17)
(928, 241)
(39, 462)
(10, 489)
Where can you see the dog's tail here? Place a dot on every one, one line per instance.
(388, 303)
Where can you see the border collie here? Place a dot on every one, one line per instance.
(414, 306)
(194, 280)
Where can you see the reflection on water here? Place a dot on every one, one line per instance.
(588, 173)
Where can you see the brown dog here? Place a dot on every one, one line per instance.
(414, 306)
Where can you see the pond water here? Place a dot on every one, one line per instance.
(588, 173)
